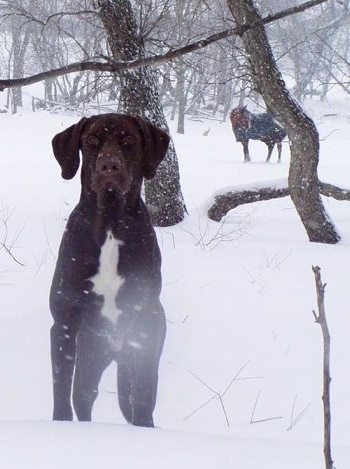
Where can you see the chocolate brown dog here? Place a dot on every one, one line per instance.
(105, 291)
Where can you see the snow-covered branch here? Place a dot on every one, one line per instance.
(230, 198)
(113, 67)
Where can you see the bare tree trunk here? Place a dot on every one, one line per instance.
(19, 49)
(139, 95)
(180, 97)
(301, 130)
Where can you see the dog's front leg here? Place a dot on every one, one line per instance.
(143, 391)
(143, 366)
(93, 357)
(63, 352)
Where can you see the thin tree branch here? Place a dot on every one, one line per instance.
(22, 13)
(113, 67)
(293, 10)
(321, 319)
(4, 244)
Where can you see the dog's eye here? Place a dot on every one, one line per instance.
(128, 139)
(93, 140)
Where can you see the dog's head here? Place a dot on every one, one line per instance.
(116, 150)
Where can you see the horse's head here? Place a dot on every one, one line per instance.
(239, 117)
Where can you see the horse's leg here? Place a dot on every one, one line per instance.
(246, 150)
(270, 146)
(279, 148)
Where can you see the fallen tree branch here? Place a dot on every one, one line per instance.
(113, 67)
(223, 203)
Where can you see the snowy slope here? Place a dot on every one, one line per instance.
(240, 377)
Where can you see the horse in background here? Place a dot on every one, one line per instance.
(248, 126)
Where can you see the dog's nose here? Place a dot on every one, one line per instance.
(107, 164)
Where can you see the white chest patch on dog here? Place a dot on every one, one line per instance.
(107, 281)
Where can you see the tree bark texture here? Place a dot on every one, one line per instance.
(301, 130)
(139, 96)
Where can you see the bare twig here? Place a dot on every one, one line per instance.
(4, 243)
(252, 419)
(295, 419)
(205, 240)
(320, 318)
(217, 395)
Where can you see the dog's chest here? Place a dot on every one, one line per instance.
(107, 282)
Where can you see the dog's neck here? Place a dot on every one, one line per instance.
(112, 212)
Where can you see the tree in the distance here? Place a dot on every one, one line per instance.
(301, 130)
(139, 95)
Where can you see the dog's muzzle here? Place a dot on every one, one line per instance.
(110, 174)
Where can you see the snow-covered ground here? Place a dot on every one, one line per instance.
(241, 373)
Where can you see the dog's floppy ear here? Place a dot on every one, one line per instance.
(156, 145)
(66, 147)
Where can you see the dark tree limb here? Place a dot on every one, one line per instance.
(226, 202)
(321, 319)
(223, 203)
(329, 190)
(116, 67)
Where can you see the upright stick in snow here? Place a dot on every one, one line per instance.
(322, 321)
